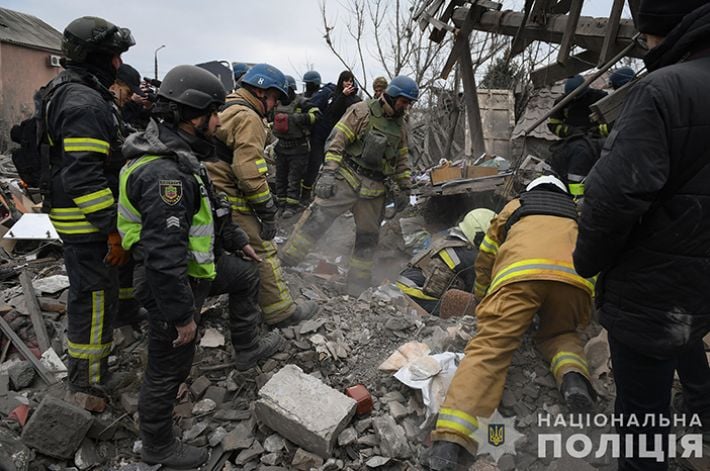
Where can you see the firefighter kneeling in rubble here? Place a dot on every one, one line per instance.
(366, 149)
(524, 267)
(448, 264)
(169, 216)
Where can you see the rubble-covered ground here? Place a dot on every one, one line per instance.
(343, 346)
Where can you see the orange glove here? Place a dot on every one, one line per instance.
(116, 256)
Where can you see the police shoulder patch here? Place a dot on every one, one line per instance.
(170, 191)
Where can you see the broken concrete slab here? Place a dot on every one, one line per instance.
(239, 438)
(304, 410)
(212, 338)
(21, 374)
(57, 428)
(216, 394)
(304, 461)
(199, 386)
(51, 284)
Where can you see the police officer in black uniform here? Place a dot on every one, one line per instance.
(82, 127)
(172, 221)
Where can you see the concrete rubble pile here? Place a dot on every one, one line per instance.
(328, 401)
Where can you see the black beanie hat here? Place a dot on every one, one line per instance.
(659, 17)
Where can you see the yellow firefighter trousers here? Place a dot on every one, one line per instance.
(503, 318)
(274, 296)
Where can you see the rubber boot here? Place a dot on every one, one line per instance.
(303, 311)
(265, 347)
(449, 456)
(576, 392)
(178, 456)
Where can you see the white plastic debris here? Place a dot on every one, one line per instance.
(53, 363)
(433, 381)
(213, 338)
(33, 226)
(51, 284)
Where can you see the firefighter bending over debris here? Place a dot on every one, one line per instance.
(524, 267)
(83, 128)
(176, 227)
(448, 264)
(366, 150)
(240, 172)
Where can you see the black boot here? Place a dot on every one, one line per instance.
(178, 456)
(265, 347)
(576, 392)
(449, 456)
(304, 311)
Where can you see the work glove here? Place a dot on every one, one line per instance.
(325, 186)
(266, 212)
(116, 256)
(401, 200)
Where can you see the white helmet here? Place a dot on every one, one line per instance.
(547, 180)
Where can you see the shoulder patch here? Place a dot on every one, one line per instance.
(170, 191)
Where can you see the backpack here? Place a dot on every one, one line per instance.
(31, 158)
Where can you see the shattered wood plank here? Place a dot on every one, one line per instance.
(611, 31)
(562, 7)
(570, 29)
(519, 43)
(461, 45)
(43, 373)
(470, 94)
(35, 312)
(427, 12)
(437, 35)
(589, 34)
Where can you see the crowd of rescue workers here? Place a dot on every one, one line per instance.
(159, 192)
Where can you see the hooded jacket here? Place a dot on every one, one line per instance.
(645, 223)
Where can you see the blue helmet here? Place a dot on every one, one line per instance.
(621, 77)
(291, 83)
(239, 69)
(403, 86)
(266, 76)
(312, 77)
(572, 83)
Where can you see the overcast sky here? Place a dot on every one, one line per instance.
(284, 33)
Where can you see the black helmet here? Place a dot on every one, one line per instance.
(194, 87)
(90, 34)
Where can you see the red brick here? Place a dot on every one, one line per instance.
(363, 398)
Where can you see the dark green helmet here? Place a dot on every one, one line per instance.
(90, 34)
(194, 88)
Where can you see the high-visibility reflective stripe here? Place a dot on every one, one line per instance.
(406, 175)
(88, 351)
(298, 247)
(306, 187)
(201, 230)
(412, 291)
(96, 201)
(576, 189)
(125, 293)
(128, 215)
(239, 204)
(331, 157)
(368, 192)
(361, 264)
(86, 144)
(261, 197)
(79, 227)
(345, 129)
(313, 115)
(352, 180)
(479, 290)
(403, 150)
(66, 214)
(261, 165)
(129, 219)
(539, 266)
(292, 201)
(457, 421)
(272, 260)
(604, 130)
(450, 258)
(97, 328)
(568, 358)
(277, 306)
(489, 245)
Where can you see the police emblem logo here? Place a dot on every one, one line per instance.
(496, 434)
(170, 191)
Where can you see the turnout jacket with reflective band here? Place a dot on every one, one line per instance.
(243, 131)
(353, 127)
(537, 247)
(82, 127)
(300, 116)
(176, 232)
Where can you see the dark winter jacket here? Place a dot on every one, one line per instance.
(83, 126)
(321, 100)
(645, 224)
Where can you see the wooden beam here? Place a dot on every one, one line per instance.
(570, 29)
(589, 34)
(437, 35)
(612, 30)
(470, 95)
(427, 12)
(518, 44)
(461, 44)
(35, 312)
(562, 7)
(539, 11)
(576, 64)
(43, 373)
